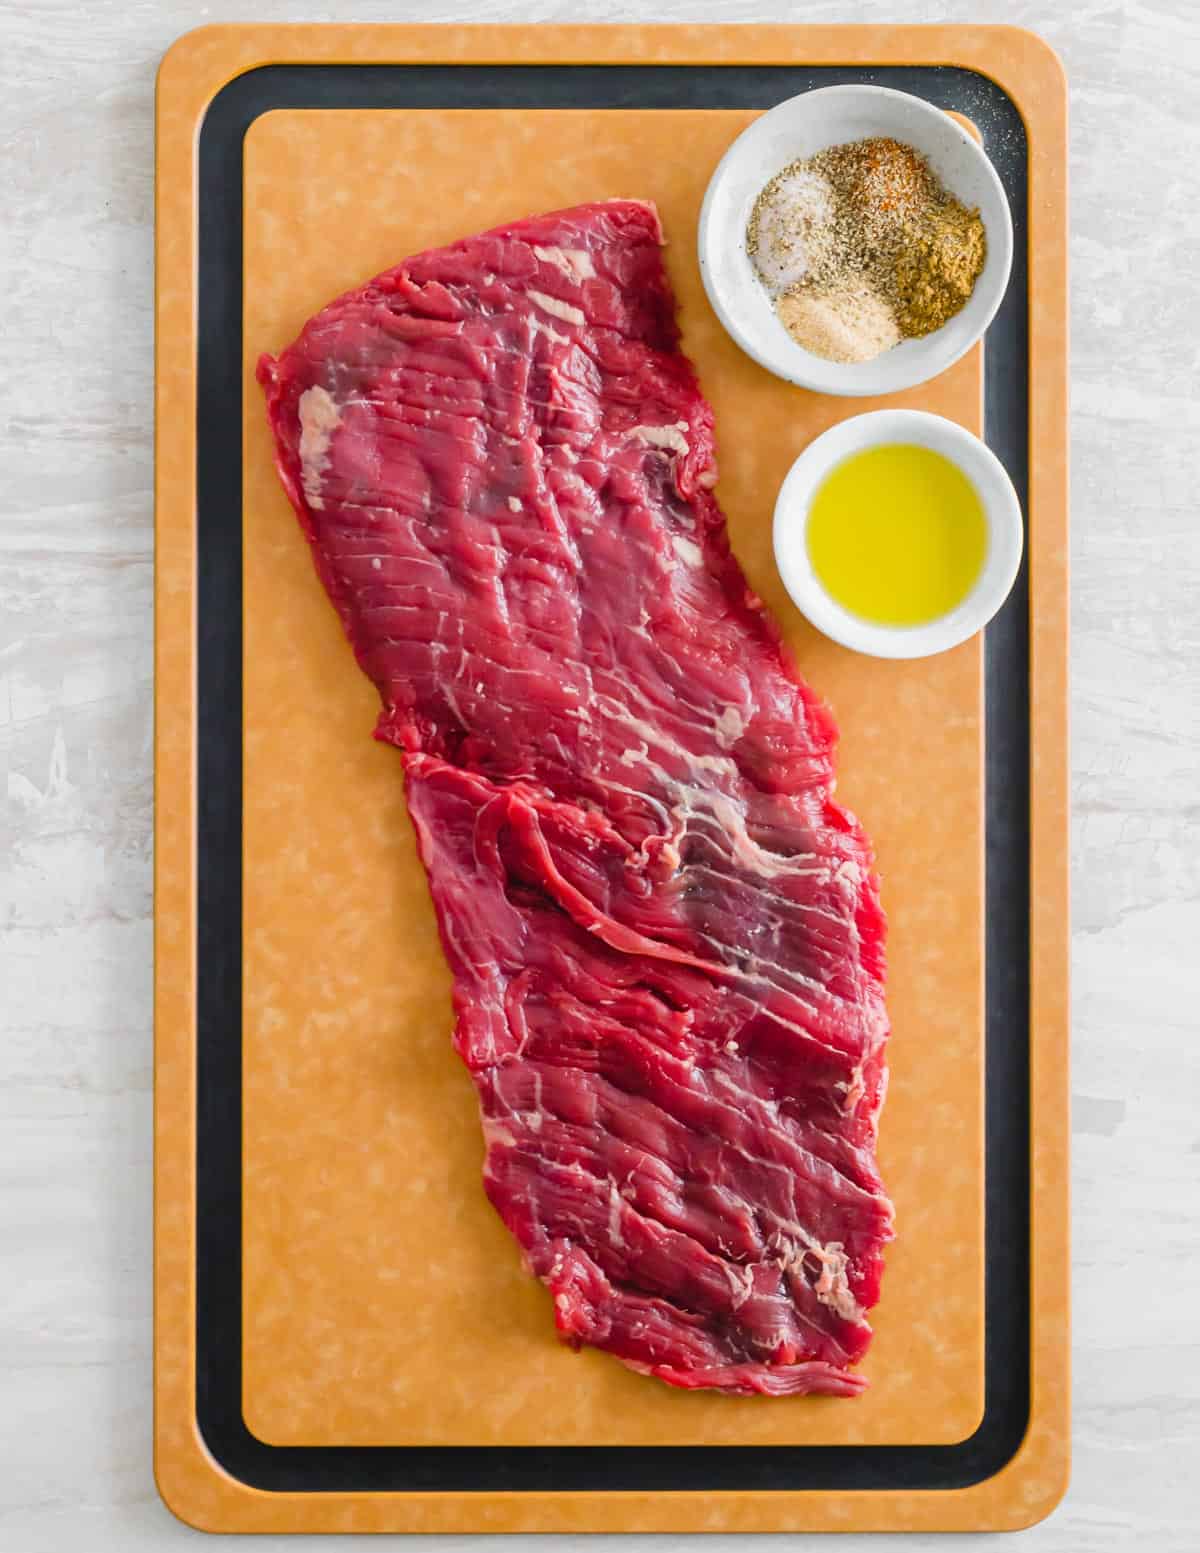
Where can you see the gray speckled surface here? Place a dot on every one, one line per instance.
(75, 728)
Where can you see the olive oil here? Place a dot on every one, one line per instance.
(897, 535)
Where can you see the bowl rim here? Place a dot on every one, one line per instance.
(814, 372)
(1002, 511)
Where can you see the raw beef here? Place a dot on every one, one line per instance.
(665, 936)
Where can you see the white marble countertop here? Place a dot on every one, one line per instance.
(75, 729)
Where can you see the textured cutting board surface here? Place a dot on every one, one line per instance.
(384, 1302)
(367, 1237)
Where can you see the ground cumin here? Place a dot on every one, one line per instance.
(862, 246)
(936, 271)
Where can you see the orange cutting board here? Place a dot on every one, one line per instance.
(383, 1303)
(362, 1142)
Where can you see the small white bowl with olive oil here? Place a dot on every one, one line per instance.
(898, 534)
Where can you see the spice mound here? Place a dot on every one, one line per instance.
(861, 246)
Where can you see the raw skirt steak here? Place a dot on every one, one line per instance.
(665, 936)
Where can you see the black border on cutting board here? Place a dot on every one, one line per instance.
(323, 1469)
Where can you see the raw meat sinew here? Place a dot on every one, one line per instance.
(665, 936)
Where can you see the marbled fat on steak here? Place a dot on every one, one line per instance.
(665, 936)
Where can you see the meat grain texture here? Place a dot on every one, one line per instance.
(665, 935)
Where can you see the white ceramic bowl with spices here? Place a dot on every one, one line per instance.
(800, 128)
(1002, 515)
